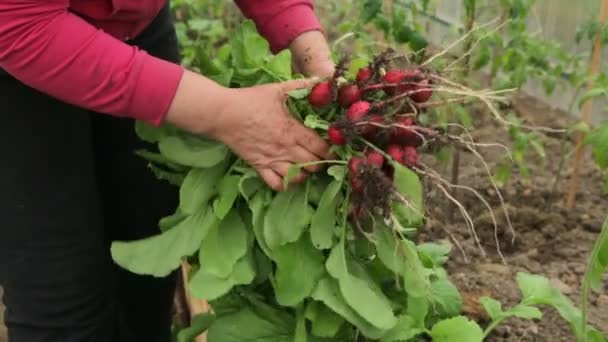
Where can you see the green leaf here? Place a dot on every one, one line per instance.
(171, 221)
(158, 159)
(328, 292)
(492, 307)
(315, 122)
(149, 133)
(337, 171)
(224, 245)
(404, 330)
(435, 254)
(193, 151)
(299, 94)
(250, 183)
(299, 268)
(325, 322)
(207, 286)
(370, 10)
(364, 300)
(401, 257)
(199, 186)
(228, 191)
(457, 329)
(290, 204)
(445, 297)
(280, 65)
(525, 312)
(418, 309)
(537, 290)
(598, 263)
(249, 49)
(409, 186)
(598, 139)
(246, 325)
(323, 221)
(172, 177)
(200, 323)
(592, 94)
(464, 116)
(159, 255)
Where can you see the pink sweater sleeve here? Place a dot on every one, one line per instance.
(54, 51)
(280, 21)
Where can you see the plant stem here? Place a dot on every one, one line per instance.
(492, 326)
(587, 277)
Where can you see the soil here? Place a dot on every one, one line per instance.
(549, 240)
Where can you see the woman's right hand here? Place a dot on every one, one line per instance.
(255, 123)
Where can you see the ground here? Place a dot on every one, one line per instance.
(549, 240)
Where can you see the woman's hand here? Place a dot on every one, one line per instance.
(257, 126)
(311, 54)
(254, 122)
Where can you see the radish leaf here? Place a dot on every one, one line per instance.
(457, 329)
(328, 292)
(228, 192)
(409, 186)
(224, 245)
(205, 285)
(193, 152)
(323, 223)
(199, 187)
(299, 267)
(371, 306)
(159, 255)
(287, 205)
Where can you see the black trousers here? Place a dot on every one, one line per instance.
(69, 185)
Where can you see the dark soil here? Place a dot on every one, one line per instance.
(549, 240)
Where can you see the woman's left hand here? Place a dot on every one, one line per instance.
(311, 55)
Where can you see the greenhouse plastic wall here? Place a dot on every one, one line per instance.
(553, 19)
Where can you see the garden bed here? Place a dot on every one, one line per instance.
(549, 240)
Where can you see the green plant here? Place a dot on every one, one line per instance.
(598, 140)
(524, 144)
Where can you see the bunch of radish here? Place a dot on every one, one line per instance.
(376, 122)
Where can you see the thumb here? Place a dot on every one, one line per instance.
(290, 85)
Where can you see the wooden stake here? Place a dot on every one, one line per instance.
(595, 64)
(196, 306)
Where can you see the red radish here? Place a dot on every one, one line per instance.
(358, 110)
(320, 95)
(364, 74)
(375, 158)
(396, 152)
(348, 95)
(370, 130)
(423, 92)
(398, 76)
(355, 183)
(410, 156)
(335, 135)
(404, 134)
(354, 164)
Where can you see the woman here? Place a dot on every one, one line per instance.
(76, 74)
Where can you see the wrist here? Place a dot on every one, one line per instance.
(197, 103)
